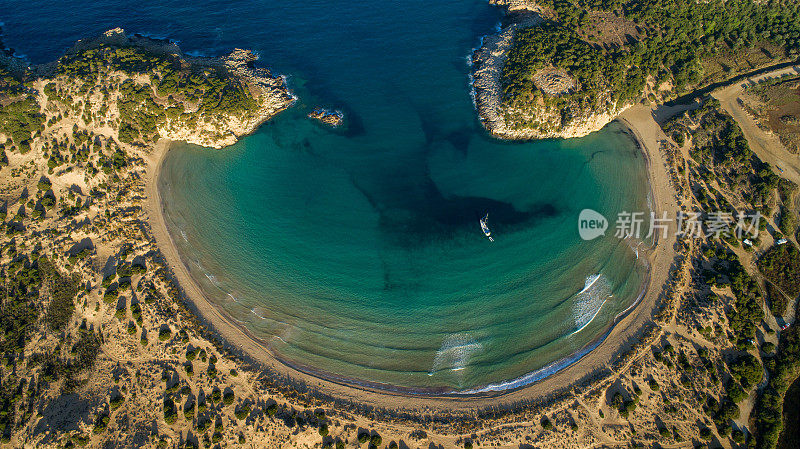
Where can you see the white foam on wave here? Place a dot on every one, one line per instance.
(183, 234)
(454, 353)
(472, 94)
(590, 300)
(212, 278)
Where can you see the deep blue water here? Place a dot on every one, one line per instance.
(358, 251)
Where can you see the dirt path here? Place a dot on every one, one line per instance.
(767, 146)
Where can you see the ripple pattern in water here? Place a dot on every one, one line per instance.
(359, 252)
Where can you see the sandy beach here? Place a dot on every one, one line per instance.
(591, 366)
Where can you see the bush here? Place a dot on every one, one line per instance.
(116, 401)
(376, 440)
(164, 334)
(228, 397)
(244, 411)
(189, 368)
(216, 395)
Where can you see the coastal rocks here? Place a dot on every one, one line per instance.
(331, 117)
(517, 5)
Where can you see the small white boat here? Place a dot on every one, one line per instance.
(485, 228)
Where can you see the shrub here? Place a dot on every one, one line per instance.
(228, 397)
(189, 368)
(243, 412)
(164, 334)
(116, 401)
(44, 185)
(100, 423)
(216, 395)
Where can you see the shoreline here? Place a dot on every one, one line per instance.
(571, 369)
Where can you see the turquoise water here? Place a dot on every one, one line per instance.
(357, 252)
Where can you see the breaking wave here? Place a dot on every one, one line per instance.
(455, 353)
(590, 300)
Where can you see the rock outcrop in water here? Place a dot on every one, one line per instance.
(333, 118)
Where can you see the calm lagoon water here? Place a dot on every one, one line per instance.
(358, 252)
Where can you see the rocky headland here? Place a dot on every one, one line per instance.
(146, 89)
(558, 107)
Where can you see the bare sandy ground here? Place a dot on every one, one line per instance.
(639, 119)
(767, 146)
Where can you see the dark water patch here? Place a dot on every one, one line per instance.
(460, 139)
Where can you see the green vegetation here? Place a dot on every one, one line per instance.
(672, 42)
(21, 120)
(242, 412)
(746, 315)
(769, 409)
(62, 295)
(780, 266)
(747, 370)
(174, 87)
(723, 154)
(594, 69)
(228, 397)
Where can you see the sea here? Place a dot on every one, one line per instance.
(357, 253)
